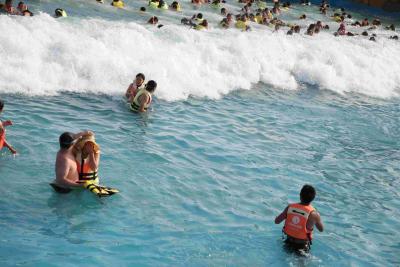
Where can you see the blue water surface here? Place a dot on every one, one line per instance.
(202, 180)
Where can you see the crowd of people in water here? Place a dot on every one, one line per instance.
(253, 12)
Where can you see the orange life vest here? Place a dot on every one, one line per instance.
(2, 139)
(296, 221)
(84, 170)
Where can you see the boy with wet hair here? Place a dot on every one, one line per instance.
(3, 124)
(300, 219)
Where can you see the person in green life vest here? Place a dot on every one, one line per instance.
(143, 98)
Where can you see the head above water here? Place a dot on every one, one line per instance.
(66, 140)
(307, 194)
(1, 105)
(139, 79)
(151, 86)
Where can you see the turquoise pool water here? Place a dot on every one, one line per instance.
(201, 180)
(240, 121)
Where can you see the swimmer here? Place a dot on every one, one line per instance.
(300, 219)
(142, 9)
(391, 27)
(3, 124)
(202, 25)
(311, 30)
(60, 13)
(224, 23)
(135, 86)
(118, 3)
(153, 20)
(87, 157)
(22, 7)
(162, 5)
(364, 22)
(143, 98)
(67, 176)
(8, 7)
(27, 13)
(223, 11)
(175, 6)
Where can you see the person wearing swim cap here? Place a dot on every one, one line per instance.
(3, 124)
(67, 176)
(300, 219)
(143, 98)
(134, 87)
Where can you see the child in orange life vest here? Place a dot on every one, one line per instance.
(87, 157)
(300, 219)
(3, 124)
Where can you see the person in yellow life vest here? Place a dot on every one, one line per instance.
(202, 26)
(143, 98)
(162, 5)
(87, 157)
(134, 87)
(118, 3)
(300, 219)
(58, 13)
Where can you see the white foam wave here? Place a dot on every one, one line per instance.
(42, 55)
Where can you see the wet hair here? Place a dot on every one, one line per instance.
(223, 11)
(349, 16)
(143, 9)
(1, 105)
(290, 32)
(199, 16)
(27, 11)
(364, 33)
(394, 37)
(307, 194)
(66, 140)
(372, 39)
(141, 75)
(151, 86)
(174, 5)
(161, 3)
(303, 16)
(296, 29)
(58, 12)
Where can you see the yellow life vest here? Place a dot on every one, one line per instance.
(164, 6)
(84, 170)
(198, 20)
(241, 25)
(118, 4)
(136, 104)
(259, 19)
(153, 4)
(178, 7)
(199, 27)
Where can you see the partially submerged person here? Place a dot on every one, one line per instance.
(175, 6)
(67, 176)
(118, 3)
(87, 157)
(162, 5)
(3, 124)
(300, 219)
(8, 7)
(143, 98)
(202, 25)
(153, 20)
(135, 86)
(59, 12)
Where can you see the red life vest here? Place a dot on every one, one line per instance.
(296, 221)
